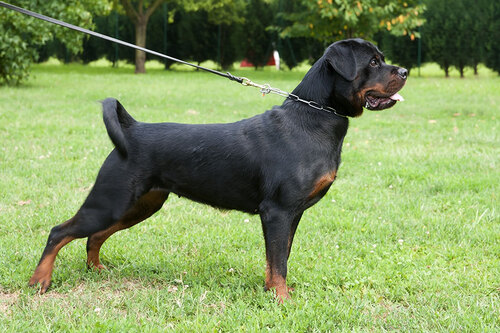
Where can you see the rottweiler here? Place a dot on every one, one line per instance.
(276, 164)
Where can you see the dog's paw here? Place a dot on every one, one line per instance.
(44, 283)
(99, 267)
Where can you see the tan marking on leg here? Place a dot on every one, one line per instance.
(322, 182)
(94, 245)
(278, 283)
(268, 275)
(43, 272)
(146, 206)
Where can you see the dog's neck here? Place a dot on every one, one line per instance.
(317, 84)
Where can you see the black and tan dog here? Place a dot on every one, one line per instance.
(276, 164)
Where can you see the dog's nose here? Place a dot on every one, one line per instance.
(403, 73)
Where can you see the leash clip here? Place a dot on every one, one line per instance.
(246, 81)
(265, 89)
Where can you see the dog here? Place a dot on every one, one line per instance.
(276, 164)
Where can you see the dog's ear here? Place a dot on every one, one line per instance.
(341, 56)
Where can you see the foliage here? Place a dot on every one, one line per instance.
(20, 35)
(400, 50)
(464, 43)
(116, 25)
(329, 20)
(293, 50)
(461, 33)
(222, 36)
(195, 36)
(257, 40)
(219, 11)
(439, 33)
(491, 33)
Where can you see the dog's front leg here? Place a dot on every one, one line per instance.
(277, 225)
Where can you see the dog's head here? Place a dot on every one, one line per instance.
(363, 78)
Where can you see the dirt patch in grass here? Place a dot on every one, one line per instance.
(7, 300)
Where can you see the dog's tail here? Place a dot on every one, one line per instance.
(117, 120)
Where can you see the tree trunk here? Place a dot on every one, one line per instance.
(140, 19)
(140, 40)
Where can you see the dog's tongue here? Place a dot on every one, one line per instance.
(397, 97)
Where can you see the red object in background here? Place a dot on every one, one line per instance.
(246, 63)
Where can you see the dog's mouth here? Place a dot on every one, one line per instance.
(374, 102)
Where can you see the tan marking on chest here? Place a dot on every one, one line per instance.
(322, 182)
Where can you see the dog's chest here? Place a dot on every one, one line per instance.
(322, 184)
(323, 177)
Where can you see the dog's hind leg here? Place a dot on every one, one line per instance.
(115, 202)
(59, 236)
(143, 208)
(97, 221)
(88, 220)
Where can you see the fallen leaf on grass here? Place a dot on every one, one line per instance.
(24, 203)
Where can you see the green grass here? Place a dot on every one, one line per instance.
(407, 239)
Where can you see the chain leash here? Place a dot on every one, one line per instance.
(267, 89)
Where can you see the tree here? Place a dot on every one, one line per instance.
(21, 35)
(172, 30)
(222, 12)
(438, 32)
(139, 13)
(329, 20)
(219, 11)
(195, 36)
(457, 32)
(258, 41)
(492, 31)
(464, 43)
(115, 25)
(227, 15)
(401, 50)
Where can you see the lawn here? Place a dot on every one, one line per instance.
(407, 238)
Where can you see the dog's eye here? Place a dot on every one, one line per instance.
(374, 62)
